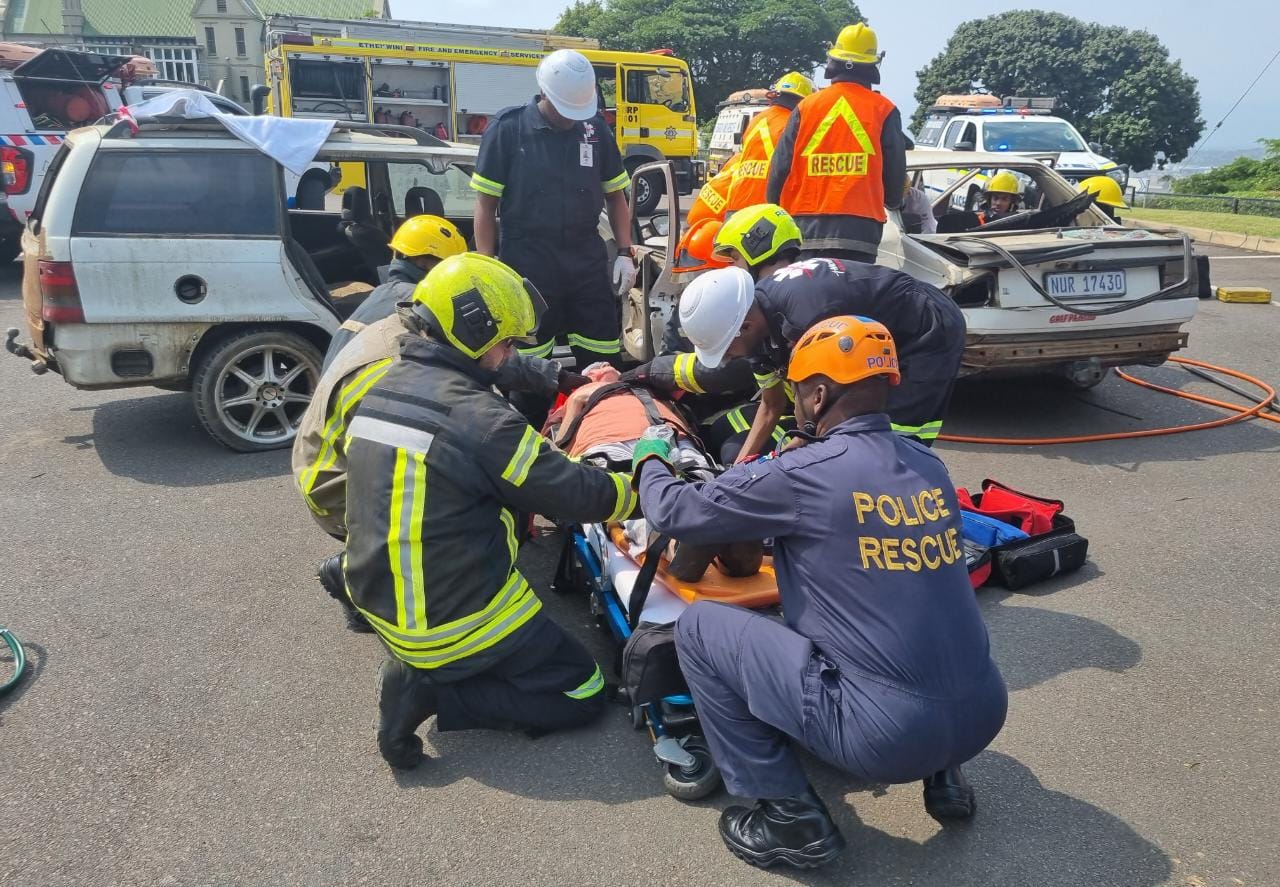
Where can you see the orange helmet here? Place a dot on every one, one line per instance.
(845, 349)
(695, 250)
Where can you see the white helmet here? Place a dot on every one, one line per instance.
(712, 310)
(568, 81)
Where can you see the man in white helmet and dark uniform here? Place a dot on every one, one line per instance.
(547, 168)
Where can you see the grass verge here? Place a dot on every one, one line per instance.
(1260, 225)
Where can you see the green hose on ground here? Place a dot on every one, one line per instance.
(19, 660)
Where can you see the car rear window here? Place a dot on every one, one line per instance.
(46, 186)
(210, 193)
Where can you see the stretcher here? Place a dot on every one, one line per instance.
(605, 561)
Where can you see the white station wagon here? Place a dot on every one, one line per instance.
(183, 258)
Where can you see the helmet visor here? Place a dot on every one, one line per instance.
(539, 310)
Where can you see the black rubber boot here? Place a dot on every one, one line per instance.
(406, 699)
(796, 831)
(948, 795)
(333, 582)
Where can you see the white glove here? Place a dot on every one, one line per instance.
(624, 274)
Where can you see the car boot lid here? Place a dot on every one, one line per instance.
(67, 66)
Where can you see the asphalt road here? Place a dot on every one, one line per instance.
(197, 715)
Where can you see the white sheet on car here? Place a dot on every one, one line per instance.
(290, 142)
(661, 606)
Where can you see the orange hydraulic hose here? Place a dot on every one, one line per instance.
(1239, 413)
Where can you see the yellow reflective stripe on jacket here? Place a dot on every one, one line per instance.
(404, 537)
(683, 370)
(617, 183)
(588, 688)
(517, 470)
(927, 431)
(509, 522)
(737, 421)
(626, 497)
(543, 350)
(335, 429)
(511, 608)
(487, 186)
(768, 380)
(599, 346)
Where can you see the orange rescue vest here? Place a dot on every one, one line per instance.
(714, 195)
(751, 176)
(836, 165)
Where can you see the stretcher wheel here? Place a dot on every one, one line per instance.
(696, 782)
(637, 717)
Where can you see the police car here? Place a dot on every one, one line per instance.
(1016, 125)
(167, 257)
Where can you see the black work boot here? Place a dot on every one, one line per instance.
(948, 795)
(333, 582)
(797, 831)
(405, 700)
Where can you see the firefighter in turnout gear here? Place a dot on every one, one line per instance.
(439, 467)
(418, 246)
(882, 666)
(763, 133)
(724, 318)
(842, 158)
(319, 450)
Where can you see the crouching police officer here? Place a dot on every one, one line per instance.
(439, 464)
(883, 666)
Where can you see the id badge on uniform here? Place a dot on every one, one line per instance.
(586, 156)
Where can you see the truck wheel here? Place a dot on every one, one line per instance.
(10, 248)
(251, 389)
(648, 190)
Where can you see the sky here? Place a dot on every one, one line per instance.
(1223, 45)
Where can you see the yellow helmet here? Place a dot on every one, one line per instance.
(757, 233)
(1004, 182)
(428, 236)
(474, 301)
(793, 83)
(1107, 189)
(856, 44)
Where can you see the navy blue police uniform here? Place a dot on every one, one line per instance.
(926, 324)
(552, 184)
(882, 666)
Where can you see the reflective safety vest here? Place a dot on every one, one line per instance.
(752, 172)
(713, 198)
(836, 164)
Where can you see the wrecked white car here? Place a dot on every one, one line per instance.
(1053, 285)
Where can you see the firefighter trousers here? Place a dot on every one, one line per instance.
(550, 683)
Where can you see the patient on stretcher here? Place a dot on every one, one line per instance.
(601, 422)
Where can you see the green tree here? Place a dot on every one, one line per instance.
(1241, 174)
(1117, 85)
(729, 45)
